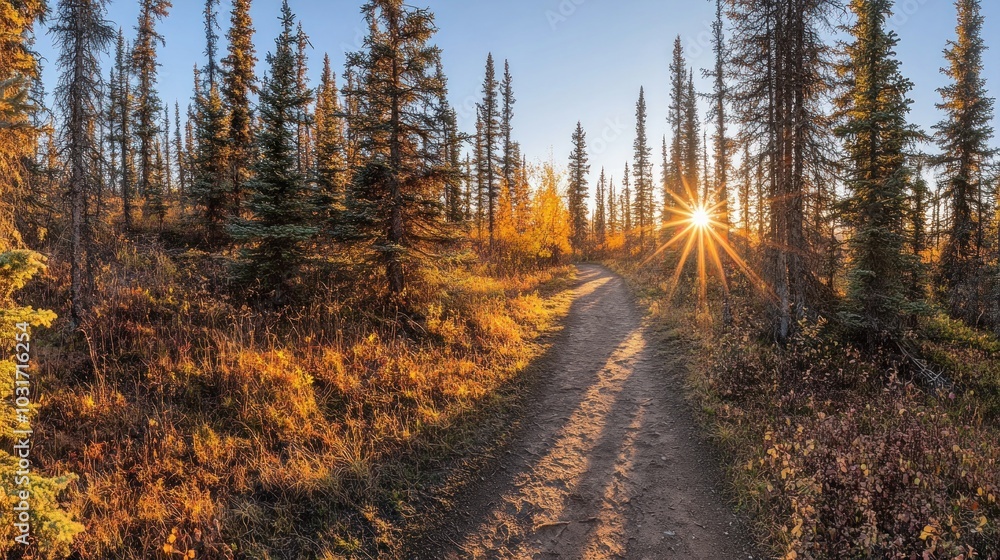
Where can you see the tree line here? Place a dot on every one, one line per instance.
(815, 171)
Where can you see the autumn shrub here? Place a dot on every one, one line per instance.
(53, 529)
(840, 454)
(207, 426)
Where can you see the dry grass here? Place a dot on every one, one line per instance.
(211, 428)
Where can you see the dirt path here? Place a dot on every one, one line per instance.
(609, 463)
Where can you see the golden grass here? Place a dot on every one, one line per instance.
(213, 429)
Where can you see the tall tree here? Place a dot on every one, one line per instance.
(691, 137)
(122, 108)
(18, 135)
(182, 166)
(304, 136)
(167, 156)
(780, 66)
(600, 215)
(509, 159)
(489, 115)
(147, 99)
(211, 189)
(331, 171)
(579, 193)
(395, 205)
(720, 98)
(239, 85)
(449, 142)
(280, 207)
(612, 211)
(964, 138)
(82, 34)
(876, 136)
(643, 171)
(673, 167)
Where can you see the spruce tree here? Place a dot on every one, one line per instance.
(779, 64)
(612, 211)
(691, 137)
(720, 98)
(304, 136)
(643, 171)
(448, 141)
(876, 136)
(211, 189)
(122, 108)
(964, 138)
(147, 99)
(579, 193)
(19, 135)
(275, 235)
(600, 217)
(239, 84)
(673, 172)
(509, 159)
(82, 34)
(491, 130)
(394, 209)
(331, 173)
(182, 166)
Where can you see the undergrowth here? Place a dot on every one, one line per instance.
(204, 427)
(834, 452)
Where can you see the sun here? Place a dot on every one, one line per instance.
(702, 230)
(700, 218)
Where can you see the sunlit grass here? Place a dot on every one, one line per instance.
(311, 431)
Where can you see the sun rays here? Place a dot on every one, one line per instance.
(702, 231)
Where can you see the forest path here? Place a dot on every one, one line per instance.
(608, 463)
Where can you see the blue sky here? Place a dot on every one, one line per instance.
(571, 59)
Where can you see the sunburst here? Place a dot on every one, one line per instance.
(704, 232)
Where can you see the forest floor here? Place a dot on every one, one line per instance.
(609, 461)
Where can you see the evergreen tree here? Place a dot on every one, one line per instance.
(182, 167)
(53, 529)
(491, 129)
(876, 136)
(18, 135)
(600, 217)
(156, 204)
(275, 234)
(579, 193)
(779, 65)
(673, 172)
(691, 137)
(720, 98)
(395, 205)
(331, 172)
(964, 138)
(612, 211)
(510, 157)
(448, 140)
(82, 34)
(122, 107)
(211, 190)
(643, 171)
(304, 136)
(239, 84)
(147, 100)
(168, 181)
